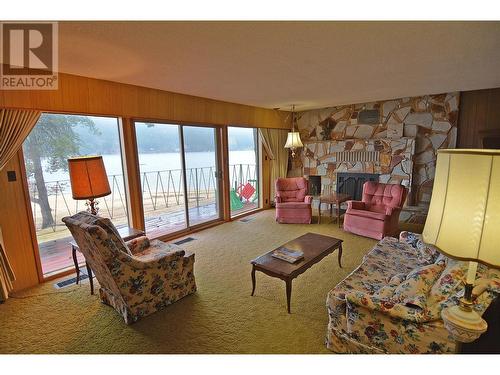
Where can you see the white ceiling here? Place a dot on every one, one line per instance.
(275, 64)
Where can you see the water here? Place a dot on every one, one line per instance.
(159, 162)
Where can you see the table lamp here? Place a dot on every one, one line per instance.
(88, 180)
(464, 224)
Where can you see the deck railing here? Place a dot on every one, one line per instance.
(160, 190)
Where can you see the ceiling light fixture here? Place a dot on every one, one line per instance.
(293, 140)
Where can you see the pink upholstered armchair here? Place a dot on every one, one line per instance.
(377, 215)
(293, 205)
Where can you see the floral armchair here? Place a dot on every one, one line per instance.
(392, 302)
(137, 278)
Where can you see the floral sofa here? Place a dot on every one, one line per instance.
(137, 278)
(392, 302)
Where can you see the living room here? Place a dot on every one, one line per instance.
(249, 187)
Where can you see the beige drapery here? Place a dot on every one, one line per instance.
(273, 140)
(6, 273)
(15, 125)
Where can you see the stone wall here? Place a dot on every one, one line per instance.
(424, 124)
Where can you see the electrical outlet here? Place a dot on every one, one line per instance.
(11, 176)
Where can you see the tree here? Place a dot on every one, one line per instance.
(53, 139)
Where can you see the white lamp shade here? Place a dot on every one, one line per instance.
(464, 214)
(293, 140)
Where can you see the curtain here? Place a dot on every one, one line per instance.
(15, 125)
(6, 273)
(273, 140)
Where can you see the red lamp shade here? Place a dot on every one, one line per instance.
(88, 177)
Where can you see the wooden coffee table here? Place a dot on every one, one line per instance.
(314, 246)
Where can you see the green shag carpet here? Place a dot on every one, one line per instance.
(221, 317)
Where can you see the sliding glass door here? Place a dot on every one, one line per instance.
(200, 154)
(54, 139)
(162, 178)
(244, 171)
(179, 169)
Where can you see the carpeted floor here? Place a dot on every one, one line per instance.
(221, 317)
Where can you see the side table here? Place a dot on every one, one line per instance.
(333, 199)
(126, 233)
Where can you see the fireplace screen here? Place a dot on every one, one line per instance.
(352, 183)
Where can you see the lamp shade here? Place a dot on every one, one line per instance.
(293, 140)
(88, 177)
(464, 214)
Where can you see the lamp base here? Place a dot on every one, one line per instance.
(463, 323)
(92, 206)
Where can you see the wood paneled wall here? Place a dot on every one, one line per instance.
(479, 112)
(89, 96)
(93, 96)
(15, 223)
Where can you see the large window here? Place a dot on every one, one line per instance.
(54, 139)
(243, 169)
(179, 169)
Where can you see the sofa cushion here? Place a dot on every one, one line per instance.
(414, 290)
(294, 205)
(387, 258)
(426, 253)
(369, 214)
(393, 282)
(291, 189)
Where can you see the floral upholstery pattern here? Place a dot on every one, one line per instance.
(137, 245)
(368, 314)
(414, 290)
(135, 279)
(425, 253)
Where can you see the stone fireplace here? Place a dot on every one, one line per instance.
(390, 160)
(396, 139)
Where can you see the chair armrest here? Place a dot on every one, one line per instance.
(138, 244)
(308, 199)
(384, 306)
(410, 238)
(389, 211)
(160, 258)
(277, 199)
(356, 205)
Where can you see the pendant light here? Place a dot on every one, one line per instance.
(293, 140)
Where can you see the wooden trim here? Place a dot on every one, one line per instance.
(58, 274)
(29, 214)
(132, 174)
(17, 234)
(91, 96)
(187, 231)
(247, 213)
(226, 186)
(203, 226)
(219, 162)
(266, 178)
